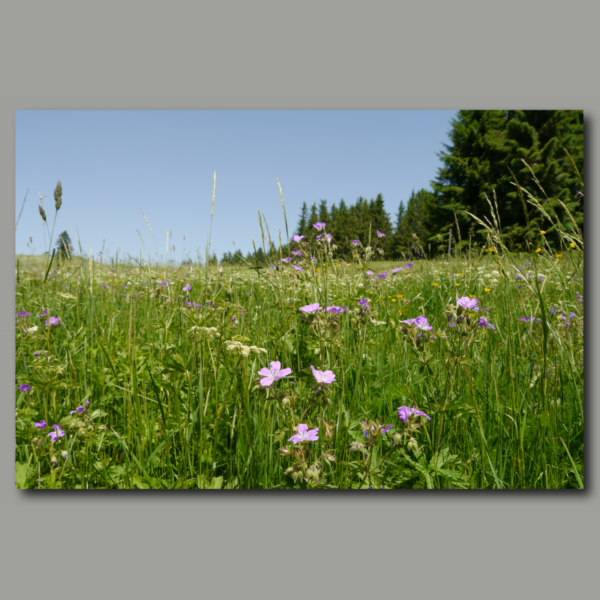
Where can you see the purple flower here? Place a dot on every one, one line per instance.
(579, 297)
(80, 409)
(24, 387)
(396, 270)
(404, 412)
(313, 261)
(380, 235)
(163, 283)
(297, 238)
(273, 374)
(52, 321)
(187, 288)
(369, 272)
(528, 263)
(541, 277)
(304, 435)
(319, 237)
(572, 315)
(297, 252)
(22, 313)
(323, 376)
(408, 265)
(42, 314)
(483, 322)
(188, 303)
(297, 268)
(382, 275)
(355, 242)
(526, 319)
(334, 310)
(319, 226)
(421, 323)
(386, 429)
(87, 403)
(466, 302)
(486, 310)
(518, 277)
(41, 425)
(310, 308)
(58, 432)
(287, 259)
(364, 302)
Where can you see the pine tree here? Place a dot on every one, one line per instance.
(323, 212)
(63, 245)
(303, 221)
(486, 156)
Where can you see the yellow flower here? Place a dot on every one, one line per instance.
(542, 232)
(370, 292)
(461, 274)
(436, 284)
(355, 256)
(393, 299)
(458, 285)
(486, 290)
(471, 314)
(539, 250)
(399, 295)
(490, 249)
(118, 281)
(559, 316)
(558, 255)
(572, 245)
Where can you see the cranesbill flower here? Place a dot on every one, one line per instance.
(287, 259)
(58, 432)
(323, 376)
(421, 323)
(319, 226)
(311, 308)
(273, 374)
(24, 387)
(187, 288)
(52, 321)
(527, 319)
(380, 235)
(304, 435)
(41, 425)
(42, 314)
(334, 310)
(396, 270)
(404, 412)
(297, 268)
(87, 403)
(382, 275)
(408, 265)
(22, 313)
(364, 302)
(297, 252)
(355, 242)
(466, 302)
(369, 272)
(297, 238)
(483, 322)
(313, 261)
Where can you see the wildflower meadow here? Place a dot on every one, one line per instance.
(458, 372)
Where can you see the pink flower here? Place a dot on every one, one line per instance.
(273, 374)
(396, 270)
(380, 235)
(304, 435)
(297, 238)
(404, 412)
(466, 302)
(323, 376)
(311, 308)
(319, 226)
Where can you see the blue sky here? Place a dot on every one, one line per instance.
(115, 164)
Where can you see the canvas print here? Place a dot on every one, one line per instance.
(356, 300)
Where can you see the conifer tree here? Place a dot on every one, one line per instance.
(303, 221)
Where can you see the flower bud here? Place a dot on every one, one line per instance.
(356, 446)
(413, 445)
(42, 212)
(54, 460)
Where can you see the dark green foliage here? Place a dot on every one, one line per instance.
(63, 245)
(486, 155)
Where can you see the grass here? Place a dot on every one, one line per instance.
(175, 403)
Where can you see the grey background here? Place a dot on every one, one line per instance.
(336, 55)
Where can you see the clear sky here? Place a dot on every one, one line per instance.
(115, 164)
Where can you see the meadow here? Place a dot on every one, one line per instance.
(310, 372)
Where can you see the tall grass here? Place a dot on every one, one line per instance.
(175, 399)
